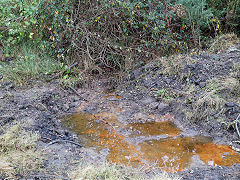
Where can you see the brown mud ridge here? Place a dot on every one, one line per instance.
(132, 126)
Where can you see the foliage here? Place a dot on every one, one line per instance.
(122, 34)
(228, 13)
(110, 35)
(45, 21)
(197, 17)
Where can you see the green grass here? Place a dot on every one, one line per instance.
(30, 63)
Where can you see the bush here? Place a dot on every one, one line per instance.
(228, 13)
(44, 21)
(108, 35)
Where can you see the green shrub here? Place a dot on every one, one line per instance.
(228, 13)
(197, 17)
(31, 63)
(44, 21)
(109, 35)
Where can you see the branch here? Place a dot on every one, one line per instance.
(59, 74)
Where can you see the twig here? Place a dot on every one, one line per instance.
(74, 90)
(59, 74)
(66, 141)
(236, 126)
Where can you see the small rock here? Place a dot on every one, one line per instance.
(154, 105)
(135, 74)
(65, 107)
(196, 80)
(233, 49)
(230, 104)
(192, 66)
(163, 107)
(148, 100)
(168, 81)
(141, 117)
(202, 84)
(2, 95)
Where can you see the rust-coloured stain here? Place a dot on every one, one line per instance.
(111, 96)
(220, 155)
(171, 154)
(98, 130)
(154, 128)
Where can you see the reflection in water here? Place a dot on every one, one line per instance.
(221, 155)
(154, 128)
(97, 130)
(171, 154)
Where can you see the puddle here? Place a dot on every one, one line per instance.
(172, 153)
(154, 128)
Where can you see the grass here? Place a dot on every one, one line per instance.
(174, 65)
(30, 64)
(114, 172)
(223, 42)
(19, 154)
(211, 100)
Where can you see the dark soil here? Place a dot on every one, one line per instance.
(43, 107)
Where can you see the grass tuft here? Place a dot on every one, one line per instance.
(30, 64)
(223, 42)
(19, 155)
(114, 172)
(174, 65)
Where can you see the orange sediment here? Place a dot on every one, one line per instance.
(221, 155)
(171, 154)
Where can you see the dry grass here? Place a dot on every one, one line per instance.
(174, 65)
(114, 172)
(206, 106)
(19, 154)
(213, 98)
(223, 42)
(230, 86)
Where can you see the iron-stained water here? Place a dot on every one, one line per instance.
(172, 154)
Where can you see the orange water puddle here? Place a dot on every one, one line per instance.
(154, 128)
(171, 154)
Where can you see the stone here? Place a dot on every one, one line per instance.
(142, 117)
(230, 104)
(2, 95)
(154, 105)
(66, 107)
(202, 84)
(135, 74)
(232, 50)
(148, 100)
(163, 107)
(192, 66)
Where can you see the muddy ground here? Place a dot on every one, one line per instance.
(145, 91)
